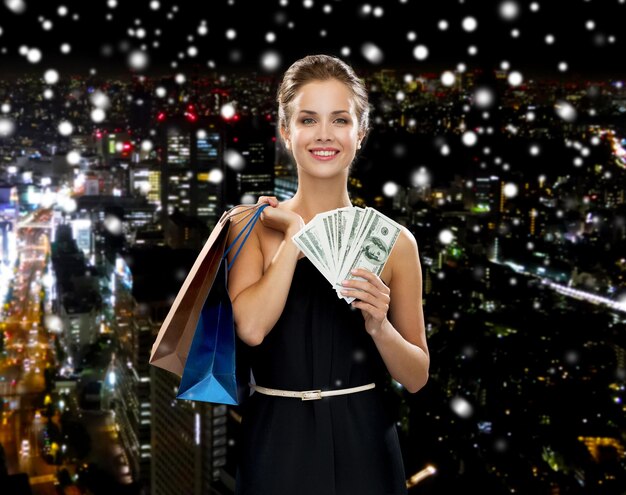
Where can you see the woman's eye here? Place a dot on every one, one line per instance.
(342, 121)
(308, 121)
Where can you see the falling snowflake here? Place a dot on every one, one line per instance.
(234, 159)
(448, 78)
(271, 61)
(73, 157)
(100, 99)
(509, 10)
(420, 52)
(469, 138)
(421, 178)
(113, 224)
(510, 190)
(51, 76)
(65, 128)
(216, 176)
(372, 53)
(390, 189)
(462, 407)
(484, 97)
(138, 60)
(515, 78)
(446, 236)
(16, 6)
(469, 24)
(228, 111)
(7, 127)
(98, 115)
(34, 55)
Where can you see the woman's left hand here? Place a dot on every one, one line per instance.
(372, 298)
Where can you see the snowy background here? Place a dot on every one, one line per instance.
(555, 38)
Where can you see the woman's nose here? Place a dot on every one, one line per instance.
(324, 132)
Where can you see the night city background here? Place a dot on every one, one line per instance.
(498, 139)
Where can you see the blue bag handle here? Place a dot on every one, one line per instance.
(247, 229)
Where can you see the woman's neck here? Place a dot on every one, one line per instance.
(316, 196)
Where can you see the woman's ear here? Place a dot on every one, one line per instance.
(284, 134)
(360, 140)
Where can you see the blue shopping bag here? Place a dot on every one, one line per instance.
(212, 372)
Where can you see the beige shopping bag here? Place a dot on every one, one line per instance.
(171, 347)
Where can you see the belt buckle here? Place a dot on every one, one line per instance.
(312, 395)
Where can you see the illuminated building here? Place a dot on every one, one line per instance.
(285, 174)
(126, 387)
(189, 441)
(285, 187)
(113, 144)
(487, 194)
(79, 301)
(185, 444)
(83, 235)
(134, 212)
(191, 155)
(250, 152)
(145, 180)
(85, 144)
(8, 217)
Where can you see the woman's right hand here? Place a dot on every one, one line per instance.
(280, 219)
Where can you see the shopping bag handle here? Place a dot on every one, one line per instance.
(246, 229)
(238, 210)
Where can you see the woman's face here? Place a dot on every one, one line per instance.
(323, 133)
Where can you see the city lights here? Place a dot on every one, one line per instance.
(491, 140)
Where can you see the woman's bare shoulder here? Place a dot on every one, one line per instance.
(405, 251)
(406, 242)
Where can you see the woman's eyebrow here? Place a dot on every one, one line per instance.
(313, 112)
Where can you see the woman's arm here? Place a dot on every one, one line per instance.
(394, 316)
(259, 297)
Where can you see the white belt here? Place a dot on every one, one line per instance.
(310, 394)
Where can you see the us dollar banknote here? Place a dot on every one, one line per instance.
(373, 248)
(340, 240)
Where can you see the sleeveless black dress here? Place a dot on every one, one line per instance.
(338, 445)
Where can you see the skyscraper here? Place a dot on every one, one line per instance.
(249, 156)
(189, 442)
(191, 154)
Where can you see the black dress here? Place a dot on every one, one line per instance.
(340, 445)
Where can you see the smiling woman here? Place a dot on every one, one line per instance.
(317, 423)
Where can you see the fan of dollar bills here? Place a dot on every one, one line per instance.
(340, 240)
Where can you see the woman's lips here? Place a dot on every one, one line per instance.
(324, 154)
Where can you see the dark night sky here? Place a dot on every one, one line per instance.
(587, 34)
